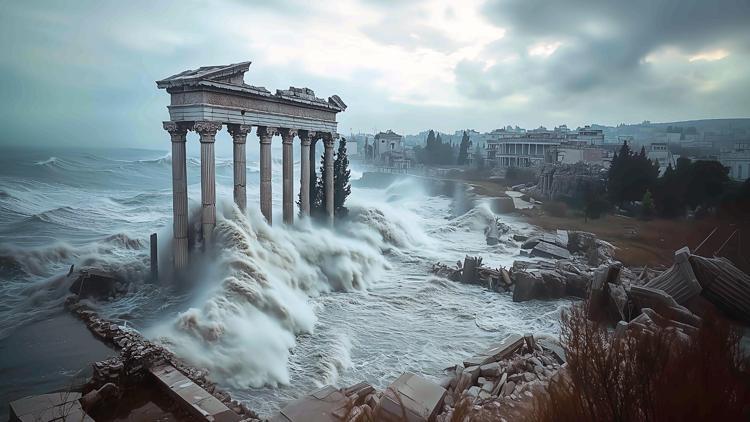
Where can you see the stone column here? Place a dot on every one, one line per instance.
(305, 173)
(178, 134)
(239, 138)
(328, 143)
(207, 132)
(287, 171)
(265, 134)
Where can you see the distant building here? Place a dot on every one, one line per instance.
(530, 149)
(659, 152)
(351, 148)
(572, 152)
(737, 159)
(589, 135)
(388, 150)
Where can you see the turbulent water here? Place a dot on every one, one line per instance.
(271, 311)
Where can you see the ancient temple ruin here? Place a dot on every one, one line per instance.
(204, 100)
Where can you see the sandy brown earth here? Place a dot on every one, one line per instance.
(652, 243)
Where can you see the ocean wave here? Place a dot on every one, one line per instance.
(244, 331)
(49, 161)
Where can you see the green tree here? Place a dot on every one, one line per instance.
(630, 175)
(463, 151)
(669, 194)
(341, 186)
(647, 206)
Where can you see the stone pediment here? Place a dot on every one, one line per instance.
(231, 77)
(232, 74)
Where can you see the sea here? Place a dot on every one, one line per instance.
(272, 311)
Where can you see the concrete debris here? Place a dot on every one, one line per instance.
(679, 281)
(500, 351)
(549, 250)
(413, 396)
(138, 358)
(48, 407)
(97, 284)
(724, 285)
(569, 182)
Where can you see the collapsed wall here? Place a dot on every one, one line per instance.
(569, 181)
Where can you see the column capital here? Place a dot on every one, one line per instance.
(287, 135)
(239, 132)
(177, 130)
(307, 136)
(207, 130)
(265, 133)
(327, 139)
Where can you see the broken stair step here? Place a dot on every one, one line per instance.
(498, 352)
(192, 397)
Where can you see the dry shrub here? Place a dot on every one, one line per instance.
(652, 374)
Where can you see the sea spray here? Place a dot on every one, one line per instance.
(245, 328)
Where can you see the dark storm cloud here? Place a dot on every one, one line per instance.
(606, 42)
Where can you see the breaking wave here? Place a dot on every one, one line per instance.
(244, 331)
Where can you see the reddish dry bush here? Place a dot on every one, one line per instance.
(653, 374)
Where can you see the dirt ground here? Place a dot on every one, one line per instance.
(641, 243)
(652, 243)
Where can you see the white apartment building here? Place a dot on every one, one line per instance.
(530, 149)
(737, 159)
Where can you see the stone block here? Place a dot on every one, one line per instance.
(411, 395)
(490, 369)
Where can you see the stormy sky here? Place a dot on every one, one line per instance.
(82, 72)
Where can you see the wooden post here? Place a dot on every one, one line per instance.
(530, 343)
(154, 258)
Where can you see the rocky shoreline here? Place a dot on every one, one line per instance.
(501, 381)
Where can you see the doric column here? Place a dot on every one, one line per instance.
(207, 132)
(328, 143)
(287, 171)
(265, 134)
(239, 138)
(178, 134)
(305, 138)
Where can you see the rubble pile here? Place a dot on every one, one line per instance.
(570, 273)
(138, 356)
(507, 373)
(670, 297)
(569, 182)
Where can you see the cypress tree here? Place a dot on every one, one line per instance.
(463, 151)
(341, 186)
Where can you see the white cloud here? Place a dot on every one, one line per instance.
(544, 49)
(710, 56)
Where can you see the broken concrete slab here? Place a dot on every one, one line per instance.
(48, 407)
(679, 281)
(491, 369)
(538, 285)
(724, 285)
(322, 405)
(93, 283)
(549, 250)
(502, 350)
(412, 396)
(502, 205)
(191, 397)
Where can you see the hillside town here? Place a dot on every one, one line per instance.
(726, 141)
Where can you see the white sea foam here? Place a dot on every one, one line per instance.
(245, 328)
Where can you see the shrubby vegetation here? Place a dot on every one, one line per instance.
(463, 150)
(435, 151)
(646, 375)
(692, 185)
